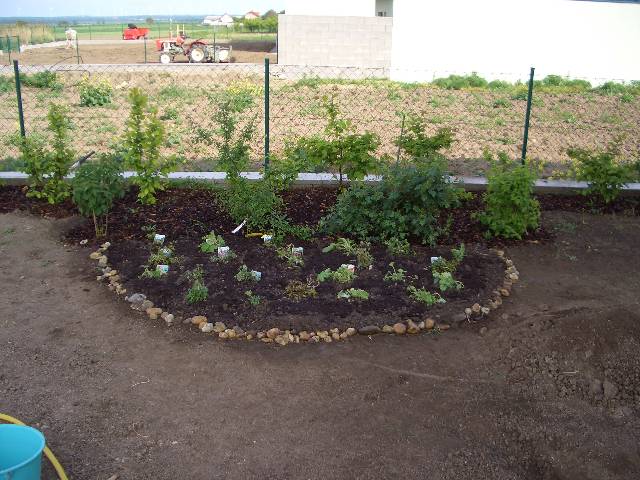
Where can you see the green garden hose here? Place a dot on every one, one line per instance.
(52, 458)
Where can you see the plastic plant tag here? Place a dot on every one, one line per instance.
(223, 252)
(349, 266)
(237, 229)
(297, 251)
(163, 269)
(435, 259)
(267, 238)
(256, 275)
(165, 251)
(157, 238)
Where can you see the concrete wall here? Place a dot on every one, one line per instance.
(347, 41)
(359, 8)
(503, 38)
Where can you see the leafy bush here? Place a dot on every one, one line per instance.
(341, 148)
(445, 281)
(418, 145)
(45, 79)
(458, 82)
(510, 207)
(143, 138)
(47, 168)
(95, 187)
(398, 246)
(94, 92)
(407, 202)
(602, 170)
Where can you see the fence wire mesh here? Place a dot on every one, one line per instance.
(483, 115)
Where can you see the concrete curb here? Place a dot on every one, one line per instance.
(472, 184)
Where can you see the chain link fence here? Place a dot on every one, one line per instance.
(566, 112)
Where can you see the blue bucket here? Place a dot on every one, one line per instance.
(20, 452)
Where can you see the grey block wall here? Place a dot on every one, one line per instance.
(335, 41)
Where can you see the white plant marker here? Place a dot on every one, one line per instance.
(164, 269)
(166, 251)
(267, 238)
(257, 275)
(223, 252)
(237, 229)
(159, 239)
(297, 251)
(435, 259)
(349, 266)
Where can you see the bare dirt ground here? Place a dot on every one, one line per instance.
(133, 52)
(550, 391)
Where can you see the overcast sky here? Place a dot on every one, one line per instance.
(56, 8)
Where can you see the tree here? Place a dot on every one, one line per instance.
(149, 21)
(269, 14)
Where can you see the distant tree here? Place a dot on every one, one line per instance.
(269, 14)
(149, 21)
(63, 23)
(21, 23)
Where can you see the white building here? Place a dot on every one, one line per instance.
(422, 39)
(225, 20)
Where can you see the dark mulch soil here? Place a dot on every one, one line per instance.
(481, 272)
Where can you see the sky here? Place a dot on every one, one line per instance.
(57, 8)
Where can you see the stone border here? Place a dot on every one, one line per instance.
(139, 302)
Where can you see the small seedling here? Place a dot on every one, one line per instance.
(395, 275)
(342, 245)
(297, 290)
(211, 243)
(445, 281)
(198, 291)
(423, 296)
(293, 257)
(363, 256)
(152, 273)
(344, 274)
(353, 293)
(246, 275)
(325, 275)
(458, 253)
(254, 300)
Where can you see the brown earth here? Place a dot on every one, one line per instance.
(132, 53)
(116, 394)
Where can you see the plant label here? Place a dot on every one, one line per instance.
(435, 259)
(267, 238)
(159, 239)
(237, 229)
(163, 269)
(349, 266)
(256, 275)
(223, 252)
(297, 251)
(166, 251)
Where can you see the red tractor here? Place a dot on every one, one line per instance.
(134, 33)
(197, 51)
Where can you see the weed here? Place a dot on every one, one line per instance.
(501, 103)
(95, 92)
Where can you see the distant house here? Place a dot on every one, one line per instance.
(225, 20)
(251, 15)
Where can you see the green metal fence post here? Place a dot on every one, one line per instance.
(525, 138)
(266, 113)
(145, 49)
(16, 72)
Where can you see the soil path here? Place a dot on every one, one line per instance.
(117, 394)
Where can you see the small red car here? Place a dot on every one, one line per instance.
(134, 33)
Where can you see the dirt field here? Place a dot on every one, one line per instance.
(550, 391)
(132, 52)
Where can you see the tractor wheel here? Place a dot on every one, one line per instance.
(196, 55)
(165, 58)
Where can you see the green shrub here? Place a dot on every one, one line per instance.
(341, 147)
(510, 207)
(7, 84)
(459, 82)
(602, 170)
(245, 275)
(95, 187)
(407, 202)
(45, 79)
(143, 138)
(445, 281)
(340, 275)
(418, 145)
(47, 168)
(94, 92)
